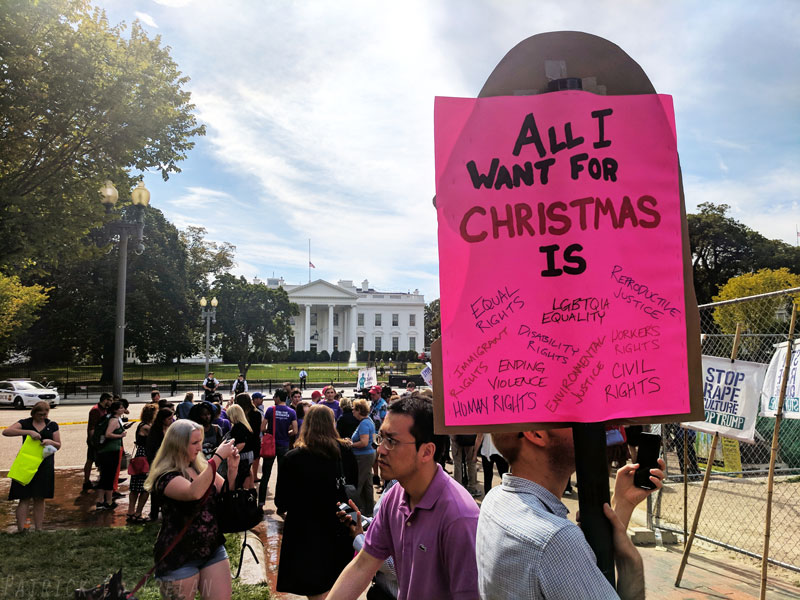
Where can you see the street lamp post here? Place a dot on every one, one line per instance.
(211, 317)
(124, 229)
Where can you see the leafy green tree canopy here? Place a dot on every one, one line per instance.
(161, 301)
(206, 259)
(433, 323)
(18, 306)
(253, 319)
(766, 315)
(81, 101)
(723, 248)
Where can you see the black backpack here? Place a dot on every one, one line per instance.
(99, 433)
(239, 386)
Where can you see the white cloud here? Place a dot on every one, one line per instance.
(146, 19)
(200, 197)
(321, 116)
(174, 3)
(765, 202)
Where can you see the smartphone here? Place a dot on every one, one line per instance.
(647, 457)
(127, 425)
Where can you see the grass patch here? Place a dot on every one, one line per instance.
(51, 564)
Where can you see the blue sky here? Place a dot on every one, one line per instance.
(320, 116)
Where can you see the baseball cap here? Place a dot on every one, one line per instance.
(257, 395)
(375, 389)
(316, 394)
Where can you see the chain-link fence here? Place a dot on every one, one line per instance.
(733, 514)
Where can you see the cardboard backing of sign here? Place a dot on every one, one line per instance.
(525, 70)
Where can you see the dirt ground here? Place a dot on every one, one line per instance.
(734, 512)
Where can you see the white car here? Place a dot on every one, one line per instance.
(23, 393)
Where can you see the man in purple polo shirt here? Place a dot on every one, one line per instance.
(427, 523)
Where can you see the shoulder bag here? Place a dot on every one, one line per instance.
(138, 465)
(238, 510)
(268, 439)
(28, 459)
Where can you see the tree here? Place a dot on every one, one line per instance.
(433, 327)
(205, 260)
(80, 102)
(161, 308)
(18, 306)
(723, 248)
(252, 318)
(762, 316)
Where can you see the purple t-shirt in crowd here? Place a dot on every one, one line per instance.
(433, 546)
(334, 406)
(283, 421)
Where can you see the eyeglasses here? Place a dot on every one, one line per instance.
(389, 442)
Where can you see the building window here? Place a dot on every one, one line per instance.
(412, 321)
(377, 343)
(336, 343)
(360, 345)
(313, 348)
(313, 319)
(291, 321)
(395, 344)
(377, 319)
(291, 343)
(395, 319)
(412, 342)
(335, 319)
(360, 319)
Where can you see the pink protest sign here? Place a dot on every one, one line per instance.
(561, 261)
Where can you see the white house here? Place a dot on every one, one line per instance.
(334, 316)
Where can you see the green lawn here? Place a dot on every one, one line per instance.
(317, 372)
(51, 564)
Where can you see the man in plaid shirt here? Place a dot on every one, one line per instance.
(527, 548)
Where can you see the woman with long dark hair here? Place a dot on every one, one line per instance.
(109, 454)
(137, 494)
(164, 418)
(308, 491)
(252, 447)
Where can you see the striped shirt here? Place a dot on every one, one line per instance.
(527, 549)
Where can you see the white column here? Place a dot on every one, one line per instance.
(330, 328)
(353, 322)
(344, 326)
(307, 330)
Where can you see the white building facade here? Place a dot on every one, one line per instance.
(335, 316)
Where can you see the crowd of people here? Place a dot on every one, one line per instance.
(426, 537)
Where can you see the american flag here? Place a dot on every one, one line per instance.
(310, 264)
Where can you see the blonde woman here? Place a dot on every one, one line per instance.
(241, 432)
(179, 478)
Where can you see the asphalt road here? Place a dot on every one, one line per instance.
(71, 419)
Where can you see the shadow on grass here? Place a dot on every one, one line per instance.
(51, 564)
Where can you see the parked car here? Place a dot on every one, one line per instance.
(22, 393)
